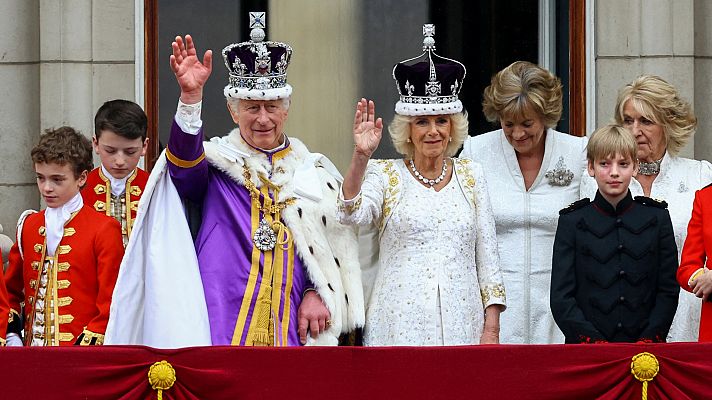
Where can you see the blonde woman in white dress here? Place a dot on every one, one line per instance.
(436, 277)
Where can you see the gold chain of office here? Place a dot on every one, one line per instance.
(268, 235)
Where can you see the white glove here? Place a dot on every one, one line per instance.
(13, 339)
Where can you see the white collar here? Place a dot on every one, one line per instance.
(55, 218)
(284, 144)
(117, 185)
(510, 156)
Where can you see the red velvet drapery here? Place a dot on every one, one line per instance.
(483, 372)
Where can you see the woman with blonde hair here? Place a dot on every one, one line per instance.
(437, 278)
(533, 171)
(662, 124)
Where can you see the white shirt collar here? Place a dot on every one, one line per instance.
(284, 144)
(55, 218)
(117, 185)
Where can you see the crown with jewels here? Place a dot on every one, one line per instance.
(429, 84)
(258, 68)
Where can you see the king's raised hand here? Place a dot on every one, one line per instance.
(367, 128)
(190, 72)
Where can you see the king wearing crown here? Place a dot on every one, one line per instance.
(275, 267)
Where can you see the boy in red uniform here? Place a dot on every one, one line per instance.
(115, 187)
(64, 264)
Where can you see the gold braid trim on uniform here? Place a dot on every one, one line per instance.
(183, 163)
(696, 274)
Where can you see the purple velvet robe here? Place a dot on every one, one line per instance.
(226, 254)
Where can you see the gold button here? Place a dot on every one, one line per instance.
(42, 230)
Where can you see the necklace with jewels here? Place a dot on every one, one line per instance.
(429, 182)
(266, 235)
(649, 168)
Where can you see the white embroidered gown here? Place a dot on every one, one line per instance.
(427, 289)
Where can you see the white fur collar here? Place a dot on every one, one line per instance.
(295, 173)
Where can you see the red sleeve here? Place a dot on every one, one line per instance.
(693, 251)
(4, 305)
(109, 250)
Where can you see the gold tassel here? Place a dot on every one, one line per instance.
(644, 367)
(262, 335)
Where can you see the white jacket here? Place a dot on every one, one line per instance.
(526, 222)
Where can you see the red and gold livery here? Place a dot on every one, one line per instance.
(78, 280)
(97, 194)
(696, 254)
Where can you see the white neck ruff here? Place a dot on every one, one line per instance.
(55, 218)
(117, 185)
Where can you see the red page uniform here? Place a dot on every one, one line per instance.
(696, 253)
(66, 296)
(97, 194)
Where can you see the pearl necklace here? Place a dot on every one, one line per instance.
(426, 181)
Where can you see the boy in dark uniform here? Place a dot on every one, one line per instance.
(615, 258)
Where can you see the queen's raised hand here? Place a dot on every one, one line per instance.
(367, 128)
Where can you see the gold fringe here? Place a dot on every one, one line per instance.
(263, 335)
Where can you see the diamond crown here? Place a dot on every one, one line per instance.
(429, 78)
(257, 64)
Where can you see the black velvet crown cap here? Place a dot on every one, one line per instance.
(429, 84)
